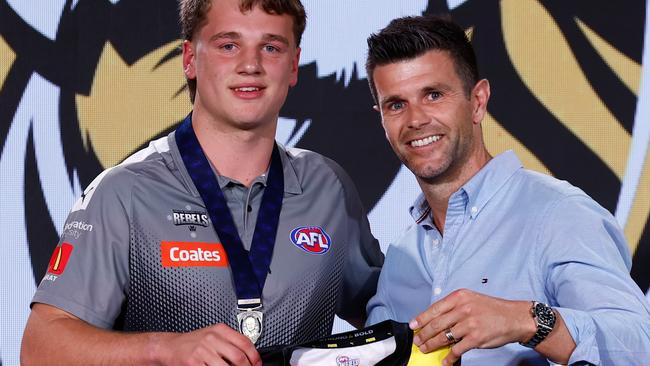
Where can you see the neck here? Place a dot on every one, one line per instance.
(239, 154)
(438, 190)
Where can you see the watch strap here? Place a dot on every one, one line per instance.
(543, 330)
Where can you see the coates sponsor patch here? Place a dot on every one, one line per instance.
(191, 254)
(311, 239)
(60, 258)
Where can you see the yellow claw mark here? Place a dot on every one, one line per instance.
(627, 70)
(498, 139)
(545, 63)
(7, 58)
(469, 32)
(57, 263)
(128, 105)
(640, 210)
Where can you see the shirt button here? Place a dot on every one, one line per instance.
(474, 209)
(437, 291)
(436, 241)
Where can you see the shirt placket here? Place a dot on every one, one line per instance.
(250, 208)
(442, 245)
(243, 203)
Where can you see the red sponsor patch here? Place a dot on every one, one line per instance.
(60, 258)
(190, 254)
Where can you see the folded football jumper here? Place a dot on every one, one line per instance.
(388, 343)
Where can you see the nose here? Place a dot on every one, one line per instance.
(417, 116)
(250, 62)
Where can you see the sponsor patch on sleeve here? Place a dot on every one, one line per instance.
(60, 259)
(192, 254)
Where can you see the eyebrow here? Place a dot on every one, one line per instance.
(436, 87)
(267, 37)
(227, 35)
(424, 90)
(390, 99)
(275, 37)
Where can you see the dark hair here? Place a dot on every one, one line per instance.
(409, 37)
(192, 16)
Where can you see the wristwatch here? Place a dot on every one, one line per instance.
(545, 319)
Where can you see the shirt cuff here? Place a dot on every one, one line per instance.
(583, 331)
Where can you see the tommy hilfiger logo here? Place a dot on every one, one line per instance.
(190, 218)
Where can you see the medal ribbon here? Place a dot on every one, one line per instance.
(249, 270)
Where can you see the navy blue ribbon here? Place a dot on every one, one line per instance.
(249, 270)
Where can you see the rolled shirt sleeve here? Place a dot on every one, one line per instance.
(586, 263)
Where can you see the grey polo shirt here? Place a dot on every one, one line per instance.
(138, 251)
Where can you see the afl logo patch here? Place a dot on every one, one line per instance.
(311, 239)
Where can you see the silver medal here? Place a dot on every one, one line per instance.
(250, 323)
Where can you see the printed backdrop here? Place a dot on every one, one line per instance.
(84, 83)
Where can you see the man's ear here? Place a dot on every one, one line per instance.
(376, 107)
(480, 97)
(188, 60)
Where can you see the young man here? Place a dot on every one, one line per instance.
(492, 243)
(213, 238)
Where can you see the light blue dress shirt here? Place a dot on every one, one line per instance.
(520, 235)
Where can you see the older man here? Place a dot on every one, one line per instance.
(508, 265)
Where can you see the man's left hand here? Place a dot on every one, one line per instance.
(472, 320)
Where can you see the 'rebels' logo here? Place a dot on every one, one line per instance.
(311, 239)
(60, 258)
(192, 254)
(190, 218)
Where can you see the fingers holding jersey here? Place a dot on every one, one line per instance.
(434, 332)
(453, 336)
(473, 320)
(215, 345)
(434, 311)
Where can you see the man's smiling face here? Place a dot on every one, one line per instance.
(429, 120)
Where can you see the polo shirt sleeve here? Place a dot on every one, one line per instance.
(88, 273)
(364, 257)
(585, 263)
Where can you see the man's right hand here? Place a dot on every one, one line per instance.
(55, 337)
(215, 345)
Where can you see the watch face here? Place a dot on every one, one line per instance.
(545, 314)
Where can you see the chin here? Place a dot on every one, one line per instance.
(249, 120)
(249, 125)
(430, 172)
